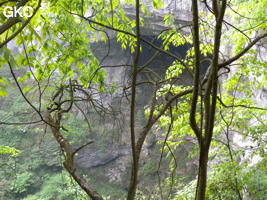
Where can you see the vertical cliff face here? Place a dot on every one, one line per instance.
(154, 23)
(114, 164)
(111, 161)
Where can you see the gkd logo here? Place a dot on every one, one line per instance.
(26, 11)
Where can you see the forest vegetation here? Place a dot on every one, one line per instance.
(191, 128)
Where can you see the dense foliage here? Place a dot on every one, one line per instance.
(49, 61)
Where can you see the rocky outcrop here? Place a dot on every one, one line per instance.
(96, 157)
(114, 161)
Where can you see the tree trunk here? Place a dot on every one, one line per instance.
(133, 184)
(69, 164)
(202, 173)
(90, 191)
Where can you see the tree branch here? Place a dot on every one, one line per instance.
(196, 84)
(240, 54)
(22, 27)
(134, 175)
(141, 39)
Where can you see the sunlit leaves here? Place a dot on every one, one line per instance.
(169, 19)
(3, 19)
(2, 87)
(173, 37)
(158, 4)
(174, 70)
(8, 150)
(247, 18)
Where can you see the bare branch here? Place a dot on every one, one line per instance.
(239, 105)
(22, 93)
(81, 147)
(134, 175)
(20, 123)
(196, 84)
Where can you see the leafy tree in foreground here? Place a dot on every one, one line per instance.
(54, 52)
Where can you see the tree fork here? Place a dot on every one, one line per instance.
(69, 153)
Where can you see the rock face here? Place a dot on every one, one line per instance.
(95, 157)
(112, 162)
(154, 22)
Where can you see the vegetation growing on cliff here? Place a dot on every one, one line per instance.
(52, 82)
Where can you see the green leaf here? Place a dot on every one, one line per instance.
(3, 93)
(158, 4)
(8, 150)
